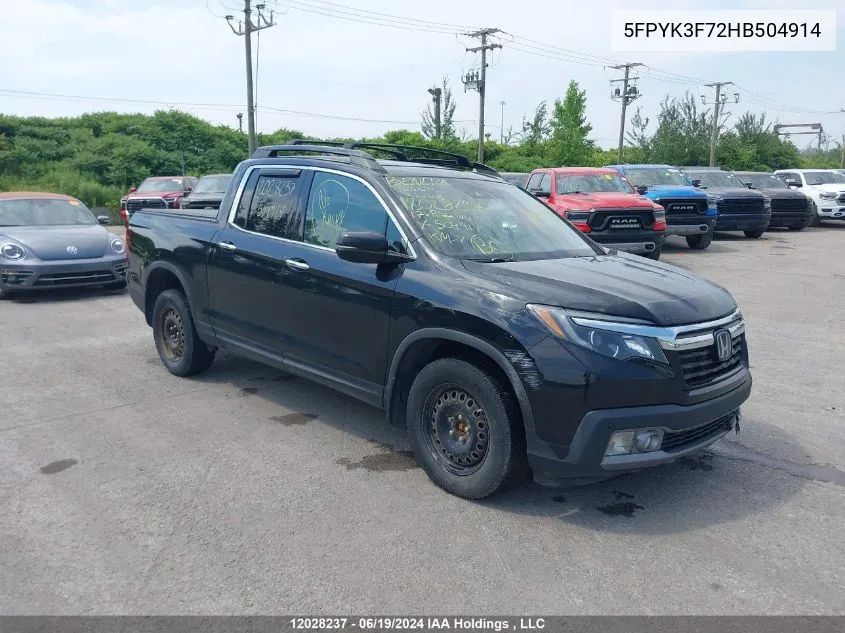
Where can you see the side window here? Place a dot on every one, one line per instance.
(394, 238)
(246, 200)
(273, 210)
(337, 204)
(534, 182)
(546, 183)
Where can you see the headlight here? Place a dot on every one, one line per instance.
(827, 195)
(12, 252)
(118, 246)
(598, 336)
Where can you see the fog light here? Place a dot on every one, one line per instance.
(621, 443)
(648, 441)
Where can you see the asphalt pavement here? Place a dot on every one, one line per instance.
(125, 490)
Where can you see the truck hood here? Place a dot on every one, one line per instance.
(152, 194)
(621, 285)
(781, 194)
(733, 192)
(831, 187)
(205, 197)
(674, 191)
(50, 243)
(603, 200)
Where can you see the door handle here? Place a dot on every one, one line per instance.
(227, 246)
(297, 264)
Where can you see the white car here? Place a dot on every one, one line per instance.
(824, 187)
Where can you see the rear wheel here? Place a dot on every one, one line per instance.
(700, 241)
(178, 345)
(754, 234)
(465, 429)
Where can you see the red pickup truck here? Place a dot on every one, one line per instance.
(156, 192)
(604, 204)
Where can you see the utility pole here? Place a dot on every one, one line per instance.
(502, 135)
(241, 122)
(436, 94)
(721, 99)
(842, 156)
(246, 28)
(626, 95)
(474, 82)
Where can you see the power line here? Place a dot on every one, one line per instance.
(480, 83)
(720, 100)
(625, 95)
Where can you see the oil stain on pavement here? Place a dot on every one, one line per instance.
(390, 459)
(294, 419)
(620, 508)
(57, 467)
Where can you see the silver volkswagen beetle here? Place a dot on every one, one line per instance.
(50, 240)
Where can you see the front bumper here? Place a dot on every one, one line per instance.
(832, 210)
(638, 242)
(32, 275)
(743, 222)
(789, 218)
(703, 423)
(689, 224)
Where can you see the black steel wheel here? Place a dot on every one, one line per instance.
(465, 428)
(179, 347)
(700, 241)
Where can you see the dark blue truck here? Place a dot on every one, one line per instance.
(688, 212)
(740, 208)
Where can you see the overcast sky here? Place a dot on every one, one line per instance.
(181, 51)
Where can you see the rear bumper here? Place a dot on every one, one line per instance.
(689, 224)
(743, 222)
(703, 423)
(38, 275)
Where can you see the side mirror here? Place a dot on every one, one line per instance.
(748, 185)
(367, 247)
(696, 183)
(541, 194)
(641, 189)
(793, 183)
(103, 219)
(133, 189)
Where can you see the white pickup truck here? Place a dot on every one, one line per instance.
(824, 187)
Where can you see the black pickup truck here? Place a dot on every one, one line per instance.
(506, 341)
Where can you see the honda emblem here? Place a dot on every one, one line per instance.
(724, 345)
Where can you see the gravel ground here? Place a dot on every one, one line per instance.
(125, 490)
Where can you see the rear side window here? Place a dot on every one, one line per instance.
(338, 203)
(270, 205)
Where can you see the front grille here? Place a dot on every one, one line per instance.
(683, 206)
(682, 439)
(15, 277)
(601, 220)
(69, 279)
(120, 270)
(783, 206)
(136, 204)
(700, 367)
(741, 205)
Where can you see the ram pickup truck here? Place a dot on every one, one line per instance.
(790, 209)
(603, 204)
(824, 187)
(503, 339)
(740, 208)
(208, 192)
(156, 192)
(688, 212)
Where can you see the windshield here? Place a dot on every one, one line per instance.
(481, 220)
(763, 181)
(162, 184)
(592, 183)
(213, 184)
(656, 176)
(823, 177)
(44, 212)
(516, 179)
(715, 179)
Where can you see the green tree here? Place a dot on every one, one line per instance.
(447, 114)
(682, 136)
(570, 143)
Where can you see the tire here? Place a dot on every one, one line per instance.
(655, 254)
(183, 353)
(815, 220)
(753, 234)
(453, 394)
(797, 228)
(701, 241)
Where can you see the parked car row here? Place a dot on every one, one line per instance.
(175, 192)
(486, 322)
(694, 201)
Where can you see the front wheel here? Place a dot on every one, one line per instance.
(754, 234)
(465, 429)
(655, 254)
(700, 241)
(800, 227)
(815, 220)
(179, 347)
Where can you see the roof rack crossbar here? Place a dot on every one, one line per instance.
(354, 157)
(401, 152)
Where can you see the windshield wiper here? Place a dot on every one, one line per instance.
(566, 193)
(498, 259)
